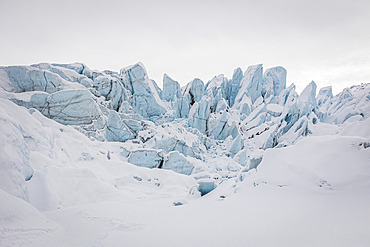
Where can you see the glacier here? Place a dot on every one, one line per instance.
(119, 135)
(251, 112)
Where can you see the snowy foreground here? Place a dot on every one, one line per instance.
(91, 158)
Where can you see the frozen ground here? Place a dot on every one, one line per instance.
(60, 185)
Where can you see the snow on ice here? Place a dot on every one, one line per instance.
(100, 158)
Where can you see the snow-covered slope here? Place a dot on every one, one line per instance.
(98, 158)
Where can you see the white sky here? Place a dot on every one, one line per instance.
(327, 41)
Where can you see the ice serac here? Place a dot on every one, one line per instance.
(324, 95)
(27, 78)
(251, 83)
(194, 90)
(221, 105)
(80, 68)
(236, 146)
(112, 89)
(221, 128)
(65, 73)
(134, 72)
(233, 86)
(145, 98)
(274, 110)
(307, 99)
(103, 84)
(245, 105)
(191, 93)
(324, 100)
(352, 104)
(171, 89)
(116, 129)
(178, 163)
(242, 157)
(71, 107)
(146, 158)
(215, 90)
(289, 98)
(213, 85)
(157, 88)
(183, 107)
(274, 79)
(67, 106)
(198, 115)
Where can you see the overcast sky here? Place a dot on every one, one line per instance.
(327, 41)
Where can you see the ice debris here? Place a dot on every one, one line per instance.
(178, 163)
